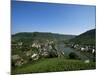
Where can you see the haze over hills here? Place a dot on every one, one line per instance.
(88, 37)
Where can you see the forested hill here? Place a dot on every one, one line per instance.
(40, 36)
(88, 37)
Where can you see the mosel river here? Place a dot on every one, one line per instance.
(68, 50)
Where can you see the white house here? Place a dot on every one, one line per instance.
(93, 50)
(35, 56)
(82, 48)
(87, 61)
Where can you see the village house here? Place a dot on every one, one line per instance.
(93, 50)
(15, 57)
(45, 54)
(87, 61)
(28, 53)
(82, 49)
(18, 60)
(36, 45)
(35, 56)
(87, 48)
(20, 43)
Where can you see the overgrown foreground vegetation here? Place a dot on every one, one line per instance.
(53, 65)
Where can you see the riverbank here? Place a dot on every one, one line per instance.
(82, 55)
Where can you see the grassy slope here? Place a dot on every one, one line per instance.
(53, 65)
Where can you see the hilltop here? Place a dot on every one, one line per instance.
(30, 36)
(87, 37)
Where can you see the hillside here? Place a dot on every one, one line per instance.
(87, 37)
(34, 52)
(30, 36)
(43, 44)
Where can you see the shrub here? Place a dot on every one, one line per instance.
(73, 55)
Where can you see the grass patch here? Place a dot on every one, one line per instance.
(53, 65)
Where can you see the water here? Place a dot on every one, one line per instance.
(68, 50)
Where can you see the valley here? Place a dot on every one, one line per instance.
(33, 52)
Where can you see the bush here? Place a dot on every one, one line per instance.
(73, 55)
(52, 54)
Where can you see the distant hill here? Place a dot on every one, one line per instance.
(88, 37)
(30, 36)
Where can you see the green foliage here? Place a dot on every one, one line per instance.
(29, 37)
(88, 38)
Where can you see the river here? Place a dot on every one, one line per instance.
(68, 50)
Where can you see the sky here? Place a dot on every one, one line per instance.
(51, 17)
